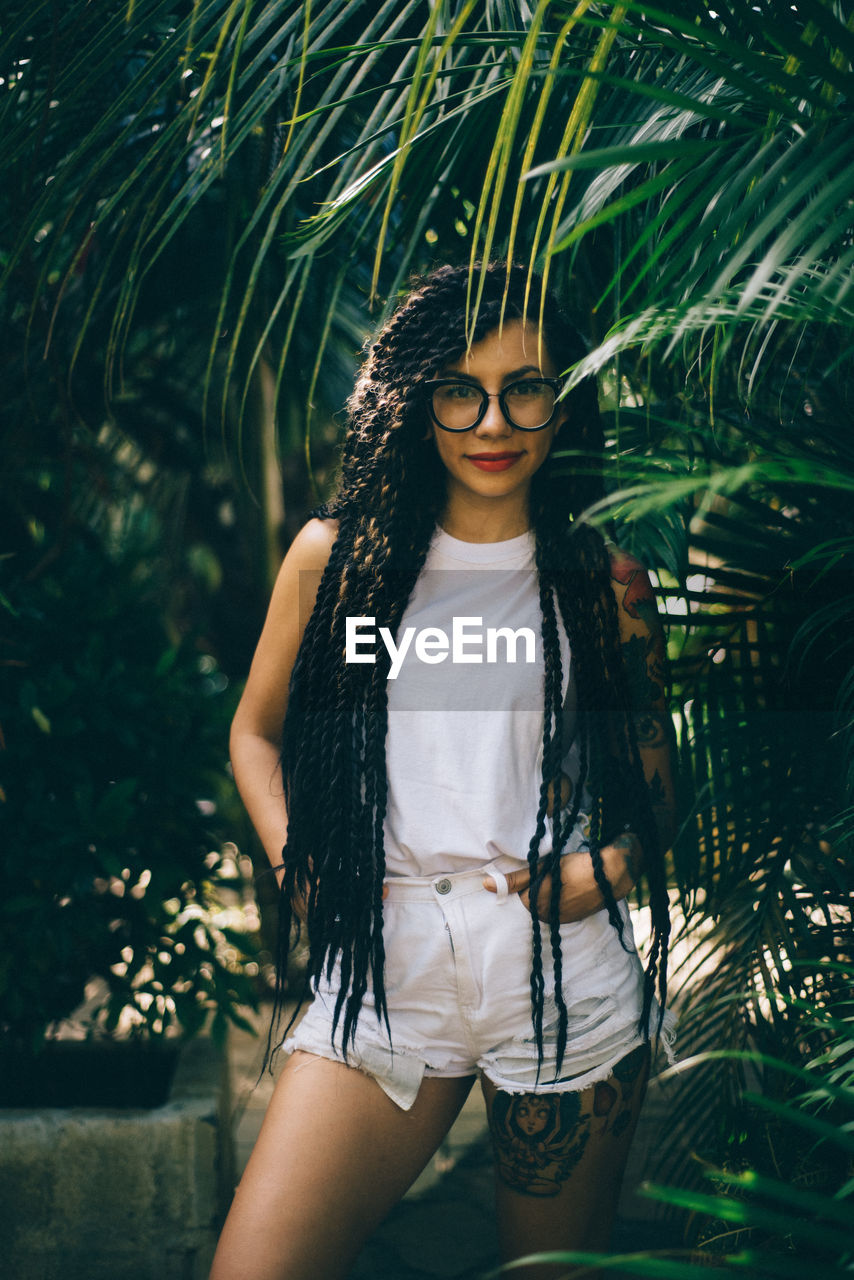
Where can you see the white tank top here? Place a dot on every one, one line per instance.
(465, 737)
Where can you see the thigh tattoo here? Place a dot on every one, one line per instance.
(540, 1138)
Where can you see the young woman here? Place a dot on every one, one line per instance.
(476, 770)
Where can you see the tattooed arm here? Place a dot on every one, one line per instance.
(645, 663)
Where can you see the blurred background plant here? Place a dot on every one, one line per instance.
(117, 886)
(798, 1217)
(208, 205)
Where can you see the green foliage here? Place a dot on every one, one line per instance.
(761, 650)
(228, 189)
(112, 776)
(711, 145)
(760, 646)
(797, 1219)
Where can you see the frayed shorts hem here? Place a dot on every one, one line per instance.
(576, 1085)
(457, 964)
(400, 1072)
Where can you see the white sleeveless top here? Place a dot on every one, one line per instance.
(465, 736)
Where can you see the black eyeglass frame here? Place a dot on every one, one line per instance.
(430, 385)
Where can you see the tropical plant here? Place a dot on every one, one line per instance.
(760, 652)
(795, 1219)
(684, 175)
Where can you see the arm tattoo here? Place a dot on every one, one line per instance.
(644, 655)
(644, 691)
(651, 728)
(630, 846)
(662, 803)
(638, 598)
(657, 793)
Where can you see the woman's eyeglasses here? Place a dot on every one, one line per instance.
(528, 405)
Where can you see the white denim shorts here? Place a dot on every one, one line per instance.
(457, 978)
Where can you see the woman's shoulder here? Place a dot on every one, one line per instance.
(313, 544)
(294, 593)
(302, 567)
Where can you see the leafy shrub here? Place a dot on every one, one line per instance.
(112, 774)
(796, 1220)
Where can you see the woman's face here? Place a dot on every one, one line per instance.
(494, 462)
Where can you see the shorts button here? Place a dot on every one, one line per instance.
(443, 886)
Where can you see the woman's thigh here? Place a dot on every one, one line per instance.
(560, 1160)
(333, 1156)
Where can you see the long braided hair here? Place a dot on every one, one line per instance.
(390, 495)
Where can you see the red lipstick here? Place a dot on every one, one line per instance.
(493, 461)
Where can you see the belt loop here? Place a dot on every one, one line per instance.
(502, 888)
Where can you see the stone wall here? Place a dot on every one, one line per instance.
(87, 1194)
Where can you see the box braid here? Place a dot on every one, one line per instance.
(390, 495)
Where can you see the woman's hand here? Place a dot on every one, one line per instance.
(580, 895)
(299, 903)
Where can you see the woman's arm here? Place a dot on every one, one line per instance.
(256, 731)
(645, 662)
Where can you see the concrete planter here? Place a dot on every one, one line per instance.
(91, 1194)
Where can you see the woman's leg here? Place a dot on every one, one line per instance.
(560, 1160)
(333, 1156)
